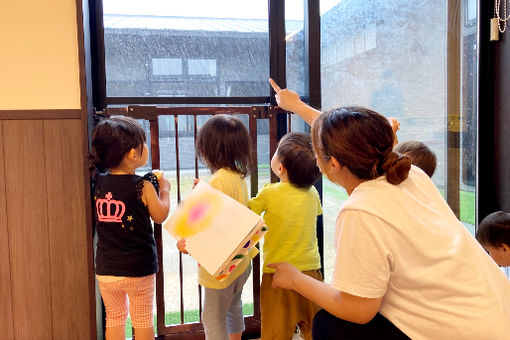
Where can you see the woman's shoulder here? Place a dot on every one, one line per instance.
(378, 195)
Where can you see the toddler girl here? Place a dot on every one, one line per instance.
(224, 145)
(126, 257)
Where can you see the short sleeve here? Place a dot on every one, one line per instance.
(364, 258)
(258, 204)
(151, 177)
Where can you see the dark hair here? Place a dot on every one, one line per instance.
(420, 155)
(224, 142)
(295, 152)
(494, 229)
(112, 139)
(361, 140)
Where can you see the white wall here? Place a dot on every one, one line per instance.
(39, 64)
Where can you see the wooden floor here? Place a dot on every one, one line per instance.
(296, 337)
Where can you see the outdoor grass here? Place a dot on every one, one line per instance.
(467, 206)
(174, 318)
(466, 200)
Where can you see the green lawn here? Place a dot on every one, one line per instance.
(466, 200)
(467, 206)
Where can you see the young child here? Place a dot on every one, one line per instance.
(290, 211)
(224, 145)
(494, 235)
(126, 258)
(420, 155)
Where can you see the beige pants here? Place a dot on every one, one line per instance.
(282, 309)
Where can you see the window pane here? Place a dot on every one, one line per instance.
(384, 55)
(166, 66)
(295, 46)
(202, 66)
(295, 54)
(194, 48)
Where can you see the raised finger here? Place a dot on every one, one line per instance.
(275, 86)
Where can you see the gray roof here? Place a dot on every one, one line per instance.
(152, 22)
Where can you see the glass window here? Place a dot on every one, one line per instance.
(296, 67)
(202, 66)
(384, 55)
(471, 8)
(295, 45)
(194, 48)
(166, 66)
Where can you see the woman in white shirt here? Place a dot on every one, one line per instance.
(405, 266)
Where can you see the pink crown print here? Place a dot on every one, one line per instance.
(109, 210)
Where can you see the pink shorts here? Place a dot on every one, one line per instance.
(139, 290)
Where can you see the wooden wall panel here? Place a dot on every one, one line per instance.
(67, 229)
(27, 221)
(6, 319)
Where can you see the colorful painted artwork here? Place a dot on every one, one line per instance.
(195, 215)
(218, 230)
(229, 266)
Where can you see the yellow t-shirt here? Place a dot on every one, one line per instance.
(291, 216)
(232, 184)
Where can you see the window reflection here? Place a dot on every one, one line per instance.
(387, 56)
(195, 48)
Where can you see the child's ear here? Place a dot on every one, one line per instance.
(334, 163)
(281, 169)
(132, 154)
(505, 248)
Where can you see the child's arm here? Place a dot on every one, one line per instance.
(158, 206)
(257, 204)
(395, 126)
(290, 101)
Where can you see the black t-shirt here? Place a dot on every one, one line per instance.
(126, 245)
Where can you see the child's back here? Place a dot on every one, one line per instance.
(291, 214)
(119, 204)
(233, 184)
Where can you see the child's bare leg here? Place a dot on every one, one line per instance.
(145, 333)
(235, 336)
(116, 333)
